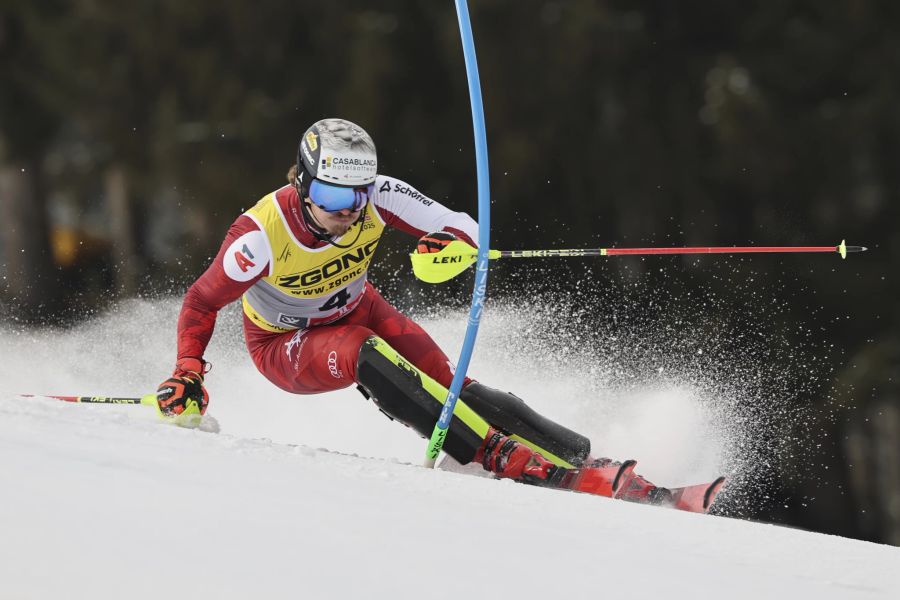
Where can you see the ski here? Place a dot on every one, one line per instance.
(696, 498)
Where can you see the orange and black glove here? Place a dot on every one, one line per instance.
(185, 385)
(434, 242)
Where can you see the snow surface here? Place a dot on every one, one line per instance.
(322, 497)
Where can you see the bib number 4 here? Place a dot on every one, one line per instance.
(337, 301)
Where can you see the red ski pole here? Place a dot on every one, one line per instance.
(149, 399)
(841, 249)
(457, 256)
(190, 418)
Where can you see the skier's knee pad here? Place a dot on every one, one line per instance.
(512, 416)
(405, 394)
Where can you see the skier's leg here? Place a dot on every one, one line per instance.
(332, 357)
(405, 336)
(412, 397)
(307, 361)
(510, 415)
(406, 394)
(505, 412)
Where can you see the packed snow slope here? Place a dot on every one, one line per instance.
(322, 497)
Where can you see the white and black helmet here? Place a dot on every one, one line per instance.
(338, 152)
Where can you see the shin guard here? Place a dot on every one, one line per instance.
(405, 394)
(512, 416)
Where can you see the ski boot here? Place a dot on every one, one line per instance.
(637, 489)
(507, 458)
(693, 498)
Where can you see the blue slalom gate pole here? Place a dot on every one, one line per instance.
(484, 235)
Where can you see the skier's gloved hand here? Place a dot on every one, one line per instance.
(183, 388)
(434, 242)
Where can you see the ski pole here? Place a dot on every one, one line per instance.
(190, 418)
(456, 257)
(148, 400)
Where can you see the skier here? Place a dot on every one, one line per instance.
(313, 323)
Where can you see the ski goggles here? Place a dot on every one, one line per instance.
(332, 198)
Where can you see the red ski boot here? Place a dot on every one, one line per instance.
(508, 458)
(638, 489)
(693, 498)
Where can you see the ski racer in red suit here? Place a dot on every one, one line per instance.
(313, 323)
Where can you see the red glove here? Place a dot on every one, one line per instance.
(434, 242)
(185, 384)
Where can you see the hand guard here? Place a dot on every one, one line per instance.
(184, 387)
(434, 242)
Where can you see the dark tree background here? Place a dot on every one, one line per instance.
(132, 135)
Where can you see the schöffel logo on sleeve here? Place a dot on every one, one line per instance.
(412, 193)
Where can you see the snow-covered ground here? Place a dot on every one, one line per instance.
(322, 497)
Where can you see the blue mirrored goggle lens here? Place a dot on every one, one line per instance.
(334, 198)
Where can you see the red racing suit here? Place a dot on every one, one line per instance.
(308, 306)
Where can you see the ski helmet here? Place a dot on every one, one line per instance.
(338, 152)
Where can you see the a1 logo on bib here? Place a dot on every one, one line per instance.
(247, 256)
